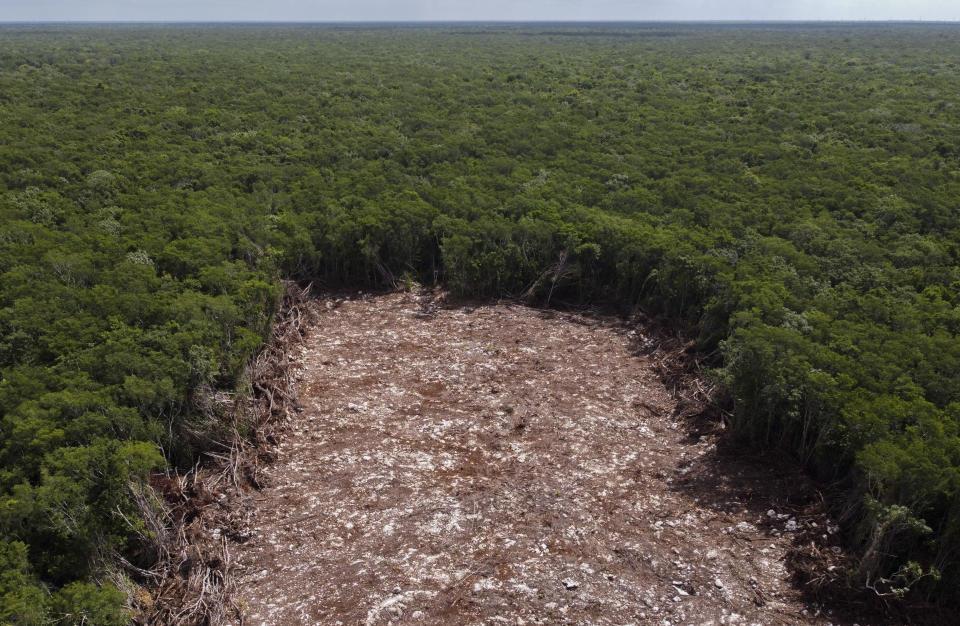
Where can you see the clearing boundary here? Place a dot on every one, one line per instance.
(500, 464)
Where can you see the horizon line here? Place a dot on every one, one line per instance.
(490, 21)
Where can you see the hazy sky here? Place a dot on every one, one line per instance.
(337, 10)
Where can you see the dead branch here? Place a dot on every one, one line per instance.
(187, 517)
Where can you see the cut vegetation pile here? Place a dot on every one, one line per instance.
(500, 464)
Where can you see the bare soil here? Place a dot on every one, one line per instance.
(498, 464)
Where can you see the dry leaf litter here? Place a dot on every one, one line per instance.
(501, 465)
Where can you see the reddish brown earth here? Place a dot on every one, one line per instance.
(504, 465)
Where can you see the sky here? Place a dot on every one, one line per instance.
(443, 10)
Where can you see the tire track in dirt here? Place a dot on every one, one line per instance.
(495, 465)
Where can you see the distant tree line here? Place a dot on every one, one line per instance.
(791, 194)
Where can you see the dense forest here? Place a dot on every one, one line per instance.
(790, 193)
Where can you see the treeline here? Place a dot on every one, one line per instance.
(790, 194)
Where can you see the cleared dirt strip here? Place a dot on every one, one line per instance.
(501, 465)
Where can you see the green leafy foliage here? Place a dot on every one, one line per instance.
(22, 600)
(790, 192)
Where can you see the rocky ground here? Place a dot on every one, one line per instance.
(498, 464)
